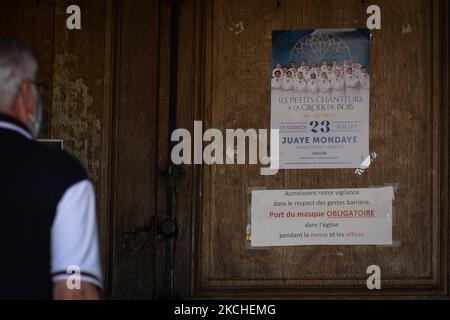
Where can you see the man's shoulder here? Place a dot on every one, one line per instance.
(58, 161)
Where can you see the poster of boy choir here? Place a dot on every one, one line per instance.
(320, 97)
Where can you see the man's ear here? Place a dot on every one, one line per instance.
(24, 102)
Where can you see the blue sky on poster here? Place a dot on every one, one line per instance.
(352, 43)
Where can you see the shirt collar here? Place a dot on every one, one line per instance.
(10, 123)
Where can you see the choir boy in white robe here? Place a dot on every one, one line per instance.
(306, 73)
(338, 82)
(335, 66)
(277, 68)
(324, 66)
(355, 69)
(300, 83)
(277, 80)
(303, 67)
(364, 78)
(288, 82)
(351, 81)
(284, 72)
(330, 72)
(324, 84)
(315, 68)
(313, 84)
(345, 65)
(293, 68)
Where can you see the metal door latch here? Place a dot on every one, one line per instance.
(137, 240)
(175, 172)
(168, 228)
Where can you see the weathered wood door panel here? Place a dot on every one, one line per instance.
(408, 130)
(132, 229)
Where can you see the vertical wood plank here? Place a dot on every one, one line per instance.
(135, 145)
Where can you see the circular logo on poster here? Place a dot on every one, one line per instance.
(320, 45)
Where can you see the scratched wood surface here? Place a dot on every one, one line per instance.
(408, 131)
(134, 148)
(80, 104)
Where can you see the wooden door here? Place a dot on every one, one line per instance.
(225, 64)
(109, 101)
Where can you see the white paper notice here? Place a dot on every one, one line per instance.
(322, 217)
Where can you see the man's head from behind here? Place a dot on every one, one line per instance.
(19, 96)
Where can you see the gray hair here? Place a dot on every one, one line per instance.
(17, 63)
